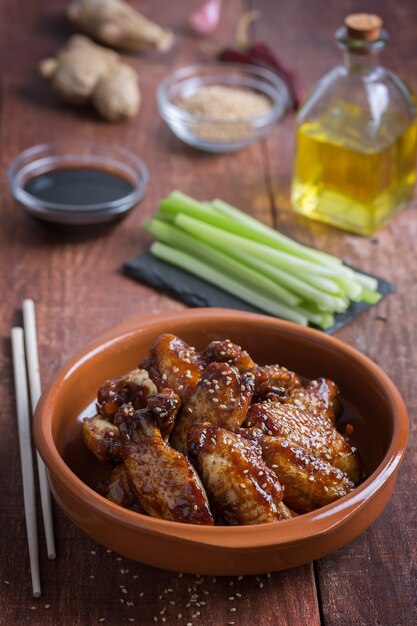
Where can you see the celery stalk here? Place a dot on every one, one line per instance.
(265, 234)
(173, 236)
(206, 272)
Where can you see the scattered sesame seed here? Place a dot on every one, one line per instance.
(101, 619)
(261, 585)
(181, 574)
(92, 576)
(274, 465)
(172, 602)
(47, 606)
(243, 485)
(215, 399)
(238, 595)
(231, 597)
(124, 590)
(121, 600)
(6, 582)
(93, 552)
(268, 574)
(131, 619)
(119, 558)
(240, 577)
(233, 609)
(180, 387)
(231, 583)
(141, 594)
(33, 608)
(179, 615)
(108, 551)
(164, 619)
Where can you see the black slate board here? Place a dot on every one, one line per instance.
(197, 293)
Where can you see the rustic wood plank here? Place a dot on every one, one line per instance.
(80, 292)
(373, 580)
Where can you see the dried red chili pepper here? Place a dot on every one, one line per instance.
(260, 54)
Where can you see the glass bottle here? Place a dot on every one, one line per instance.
(356, 137)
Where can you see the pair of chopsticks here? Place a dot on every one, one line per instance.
(26, 367)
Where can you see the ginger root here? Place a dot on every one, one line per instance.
(118, 25)
(85, 72)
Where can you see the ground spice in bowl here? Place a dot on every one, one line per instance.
(217, 105)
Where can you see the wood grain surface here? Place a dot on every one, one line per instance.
(80, 292)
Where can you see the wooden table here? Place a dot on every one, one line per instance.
(80, 292)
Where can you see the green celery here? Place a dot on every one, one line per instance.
(206, 272)
(267, 235)
(173, 236)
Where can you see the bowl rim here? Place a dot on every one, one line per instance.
(169, 110)
(55, 152)
(296, 530)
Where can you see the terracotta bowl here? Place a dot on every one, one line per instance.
(371, 402)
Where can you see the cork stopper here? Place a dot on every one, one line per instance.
(364, 26)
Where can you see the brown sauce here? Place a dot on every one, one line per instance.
(79, 186)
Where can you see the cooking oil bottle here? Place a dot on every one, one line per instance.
(356, 137)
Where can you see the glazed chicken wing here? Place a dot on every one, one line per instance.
(164, 409)
(241, 489)
(309, 482)
(221, 397)
(314, 433)
(278, 382)
(135, 387)
(232, 354)
(164, 482)
(320, 397)
(102, 438)
(173, 363)
(117, 488)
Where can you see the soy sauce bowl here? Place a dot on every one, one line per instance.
(64, 183)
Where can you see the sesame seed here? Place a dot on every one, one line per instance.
(243, 485)
(231, 597)
(93, 552)
(33, 608)
(245, 471)
(238, 595)
(268, 575)
(233, 609)
(141, 594)
(6, 582)
(101, 619)
(179, 615)
(215, 399)
(172, 602)
(118, 558)
(274, 465)
(108, 551)
(91, 576)
(223, 406)
(261, 585)
(240, 577)
(180, 387)
(181, 574)
(47, 606)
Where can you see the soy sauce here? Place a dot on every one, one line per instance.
(79, 186)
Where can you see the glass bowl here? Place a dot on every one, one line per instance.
(66, 155)
(218, 135)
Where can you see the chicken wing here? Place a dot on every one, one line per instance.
(173, 363)
(102, 438)
(241, 489)
(232, 354)
(221, 397)
(135, 387)
(278, 382)
(314, 433)
(117, 488)
(320, 397)
(163, 480)
(164, 409)
(309, 482)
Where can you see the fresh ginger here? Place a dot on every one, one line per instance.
(84, 72)
(118, 25)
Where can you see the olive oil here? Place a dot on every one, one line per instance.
(356, 137)
(349, 182)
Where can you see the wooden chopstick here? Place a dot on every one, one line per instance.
(22, 407)
(29, 325)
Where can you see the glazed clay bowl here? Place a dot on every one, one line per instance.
(371, 403)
